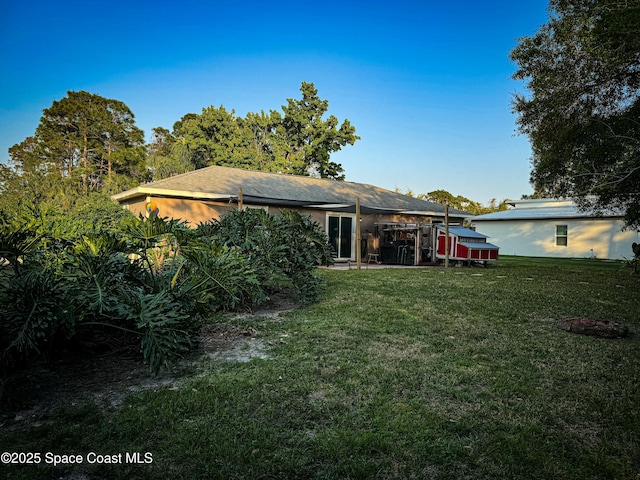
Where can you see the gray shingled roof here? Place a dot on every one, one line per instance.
(223, 183)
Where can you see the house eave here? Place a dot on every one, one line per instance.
(431, 213)
(161, 192)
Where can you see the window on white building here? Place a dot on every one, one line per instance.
(561, 235)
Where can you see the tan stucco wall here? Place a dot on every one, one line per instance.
(316, 215)
(197, 211)
(192, 211)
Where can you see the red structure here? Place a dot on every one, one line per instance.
(465, 245)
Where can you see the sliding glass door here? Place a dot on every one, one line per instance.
(341, 234)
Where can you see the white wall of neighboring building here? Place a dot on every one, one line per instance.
(530, 230)
(602, 238)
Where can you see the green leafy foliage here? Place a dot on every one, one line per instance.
(166, 335)
(53, 292)
(18, 238)
(312, 138)
(100, 277)
(284, 249)
(84, 143)
(634, 263)
(582, 109)
(36, 319)
(151, 278)
(306, 246)
(220, 277)
(34, 314)
(253, 232)
(458, 201)
(298, 141)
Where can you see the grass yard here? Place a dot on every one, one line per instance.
(396, 374)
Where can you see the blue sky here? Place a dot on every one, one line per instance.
(427, 84)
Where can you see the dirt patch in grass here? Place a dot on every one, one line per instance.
(225, 341)
(108, 378)
(595, 328)
(272, 309)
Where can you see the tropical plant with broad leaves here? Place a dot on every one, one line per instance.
(100, 278)
(152, 279)
(155, 240)
(164, 329)
(52, 291)
(284, 249)
(220, 277)
(306, 246)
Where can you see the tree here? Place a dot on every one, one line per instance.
(582, 111)
(312, 139)
(458, 201)
(83, 143)
(164, 158)
(29, 181)
(32, 180)
(298, 142)
(123, 154)
(213, 138)
(269, 149)
(463, 203)
(91, 139)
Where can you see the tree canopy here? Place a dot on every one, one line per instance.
(84, 143)
(459, 202)
(582, 110)
(309, 139)
(297, 141)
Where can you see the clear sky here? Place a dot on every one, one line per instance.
(427, 84)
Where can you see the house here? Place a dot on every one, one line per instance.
(207, 193)
(557, 228)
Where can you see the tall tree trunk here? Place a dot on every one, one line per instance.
(70, 160)
(109, 161)
(85, 154)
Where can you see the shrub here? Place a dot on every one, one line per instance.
(32, 314)
(151, 278)
(165, 330)
(99, 277)
(220, 277)
(254, 233)
(306, 246)
(634, 263)
(284, 250)
(52, 291)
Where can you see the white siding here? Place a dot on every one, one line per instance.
(602, 238)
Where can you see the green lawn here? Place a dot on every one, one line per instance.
(395, 374)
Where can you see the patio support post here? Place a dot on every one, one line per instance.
(446, 234)
(358, 252)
